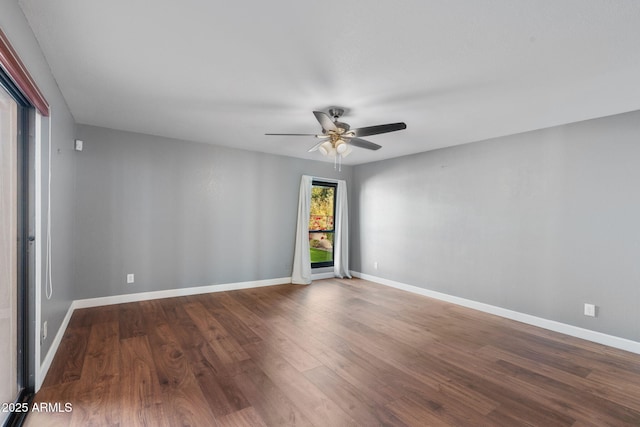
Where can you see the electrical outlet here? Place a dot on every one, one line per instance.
(590, 310)
(130, 278)
(44, 330)
(375, 265)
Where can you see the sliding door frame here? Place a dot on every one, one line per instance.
(25, 173)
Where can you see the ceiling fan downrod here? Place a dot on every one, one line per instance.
(336, 113)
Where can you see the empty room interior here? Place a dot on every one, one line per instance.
(326, 213)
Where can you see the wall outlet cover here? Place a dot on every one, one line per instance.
(590, 310)
(130, 278)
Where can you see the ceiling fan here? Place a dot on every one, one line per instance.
(337, 138)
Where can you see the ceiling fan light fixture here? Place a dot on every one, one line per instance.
(326, 148)
(346, 151)
(341, 146)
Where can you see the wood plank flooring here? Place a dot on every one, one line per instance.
(336, 353)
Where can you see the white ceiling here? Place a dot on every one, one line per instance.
(455, 71)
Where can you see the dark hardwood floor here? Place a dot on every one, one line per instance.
(338, 352)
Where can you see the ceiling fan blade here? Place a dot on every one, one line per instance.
(325, 121)
(363, 143)
(315, 147)
(291, 134)
(375, 130)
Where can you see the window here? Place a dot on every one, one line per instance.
(321, 223)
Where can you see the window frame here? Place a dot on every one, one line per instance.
(334, 185)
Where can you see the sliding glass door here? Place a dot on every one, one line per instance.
(16, 252)
(8, 248)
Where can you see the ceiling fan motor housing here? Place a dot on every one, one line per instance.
(342, 129)
(344, 126)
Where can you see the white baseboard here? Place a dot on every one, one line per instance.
(586, 334)
(46, 363)
(180, 292)
(142, 296)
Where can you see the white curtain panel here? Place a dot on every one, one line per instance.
(301, 274)
(341, 237)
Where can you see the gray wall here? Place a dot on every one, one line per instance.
(180, 214)
(15, 26)
(539, 222)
